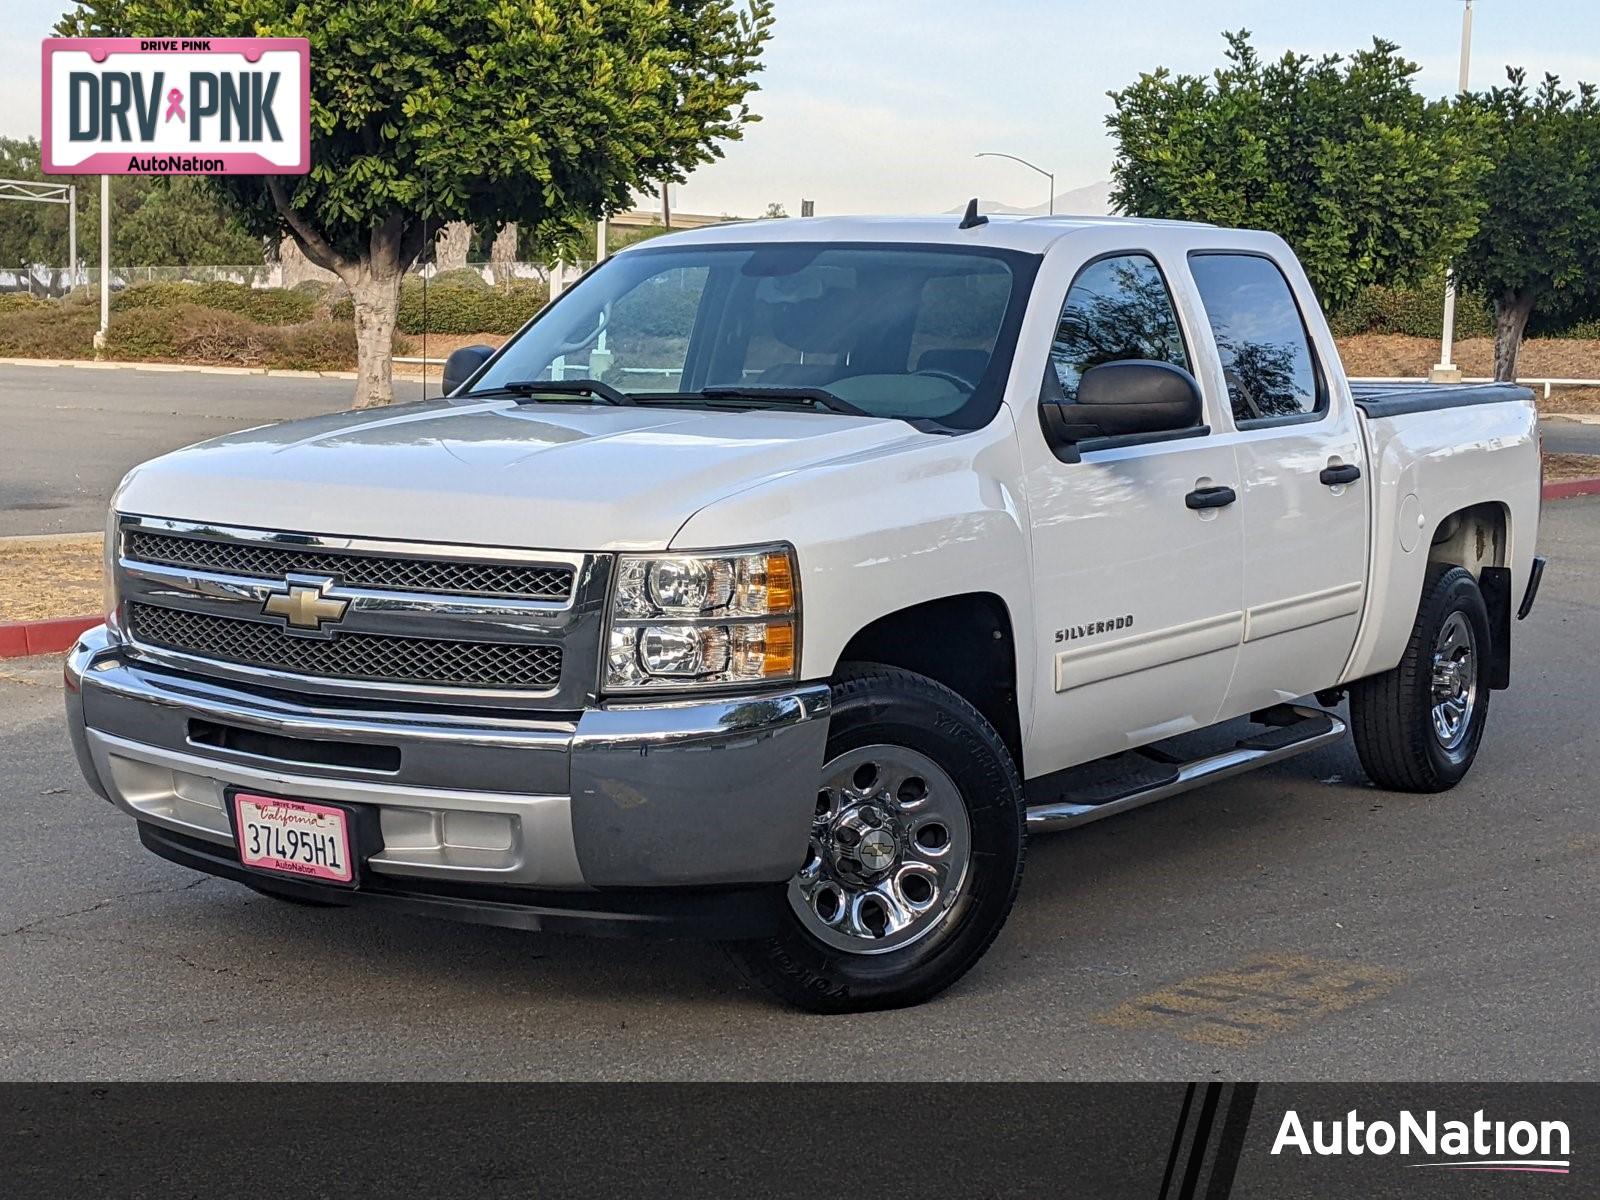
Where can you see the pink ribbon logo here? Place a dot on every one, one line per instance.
(175, 105)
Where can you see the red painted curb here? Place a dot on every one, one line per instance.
(1573, 487)
(22, 639)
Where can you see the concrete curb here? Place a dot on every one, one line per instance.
(23, 639)
(1571, 488)
(89, 364)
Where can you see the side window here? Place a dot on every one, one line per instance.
(1267, 358)
(1117, 308)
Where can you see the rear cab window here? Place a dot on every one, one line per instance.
(1269, 364)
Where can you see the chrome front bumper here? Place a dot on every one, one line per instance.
(687, 794)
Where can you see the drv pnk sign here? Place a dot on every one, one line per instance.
(177, 106)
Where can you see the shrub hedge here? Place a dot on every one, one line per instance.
(264, 306)
(191, 333)
(457, 307)
(47, 329)
(1415, 312)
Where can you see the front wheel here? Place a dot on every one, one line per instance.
(915, 855)
(1418, 726)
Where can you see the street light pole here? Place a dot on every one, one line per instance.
(105, 262)
(1031, 167)
(1446, 370)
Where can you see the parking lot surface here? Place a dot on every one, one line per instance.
(72, 433)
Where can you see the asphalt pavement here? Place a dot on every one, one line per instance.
(1295, 924)
(72, 433)
(1570, 437)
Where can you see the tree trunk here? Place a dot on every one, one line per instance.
(1511, 313)
(503, 253)
(376, 301)
(373, 277)
(450, 247)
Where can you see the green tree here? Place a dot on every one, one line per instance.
(155, 221)
(542, 112)
(1339, 156)
(1539, 238)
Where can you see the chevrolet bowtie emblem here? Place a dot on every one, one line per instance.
(305, 607)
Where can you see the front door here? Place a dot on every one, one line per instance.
(1138, 596)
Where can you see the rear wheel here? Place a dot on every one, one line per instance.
(1417, 728)
(915, 854)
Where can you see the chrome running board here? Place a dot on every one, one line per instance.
(1313, 729)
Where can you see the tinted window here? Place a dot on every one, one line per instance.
(1117, 308)
(897, 330)
(1266, 352)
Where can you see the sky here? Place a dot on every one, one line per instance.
(879, 106)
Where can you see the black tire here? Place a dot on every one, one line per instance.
(875, 705)
(1391, 714)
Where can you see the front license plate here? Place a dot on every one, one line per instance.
(293, 837)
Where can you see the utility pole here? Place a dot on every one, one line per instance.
(72, 236)
(666, 205)
(105, 262)
(1446, 371)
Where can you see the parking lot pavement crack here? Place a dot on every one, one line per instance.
(34, 925)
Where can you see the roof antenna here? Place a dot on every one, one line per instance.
(973, 218)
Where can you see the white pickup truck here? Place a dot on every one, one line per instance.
(777, 580)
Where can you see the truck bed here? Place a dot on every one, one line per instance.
(1397, 399)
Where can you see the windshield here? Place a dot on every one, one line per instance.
(906, 331)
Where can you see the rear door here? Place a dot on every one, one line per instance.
(1303, 499)
(1137, 595)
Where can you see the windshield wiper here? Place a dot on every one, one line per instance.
(819, 397)
(528, 389)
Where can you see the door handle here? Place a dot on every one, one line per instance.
(1210, 497)
(1334, 476)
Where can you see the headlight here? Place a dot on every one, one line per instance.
(693, 620)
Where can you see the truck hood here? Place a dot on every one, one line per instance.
(492, 472)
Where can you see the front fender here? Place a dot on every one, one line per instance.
(888, 528)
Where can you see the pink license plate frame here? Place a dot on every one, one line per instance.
(294, 839)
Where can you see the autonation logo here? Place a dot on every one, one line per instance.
(1476, 1145)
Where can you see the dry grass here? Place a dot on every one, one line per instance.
(439, 347)
(1559, 468)
(41, 579)
(1555, 358)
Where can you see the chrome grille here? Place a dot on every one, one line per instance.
(374, 658)
(527, 581)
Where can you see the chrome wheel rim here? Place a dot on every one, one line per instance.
(890, 847)
(1455, 681)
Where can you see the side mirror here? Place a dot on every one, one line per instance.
(1116, 399)
(463, 364)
